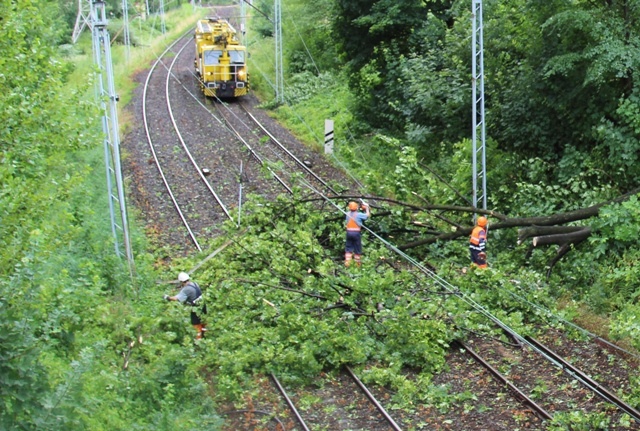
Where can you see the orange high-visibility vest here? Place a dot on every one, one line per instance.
(478, 239)
(352, 224)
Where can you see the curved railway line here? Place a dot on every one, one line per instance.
(183, 148)
(184, 153)
(178, 167)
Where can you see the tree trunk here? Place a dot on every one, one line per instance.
(548, 221)
(543, 229)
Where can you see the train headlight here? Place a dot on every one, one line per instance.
(242, 74)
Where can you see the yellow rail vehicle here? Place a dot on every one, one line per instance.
(220, 59)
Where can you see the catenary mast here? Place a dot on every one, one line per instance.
(479, 151)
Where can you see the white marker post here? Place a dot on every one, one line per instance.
(328, 136)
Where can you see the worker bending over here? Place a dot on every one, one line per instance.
(191, 295)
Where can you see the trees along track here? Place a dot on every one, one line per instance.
(181, 171)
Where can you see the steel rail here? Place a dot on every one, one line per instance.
(184, 145)
(518, 393)
(289, 402)
(224, 122)
(289, 153)
(253, 152)
(234, 131)
(586, 380)
(152, 149)
(598, 340)
(573, 371)
(375, 402)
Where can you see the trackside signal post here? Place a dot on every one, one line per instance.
(108, 99)
(479, 174)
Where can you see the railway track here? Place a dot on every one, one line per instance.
(339, 402)
(209, 154)
(513, 384)
(287, 167)
(180, 164)
(548, 383)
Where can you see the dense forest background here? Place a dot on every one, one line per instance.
(86, 345)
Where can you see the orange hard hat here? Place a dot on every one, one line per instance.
(353, 206)
(482, 221)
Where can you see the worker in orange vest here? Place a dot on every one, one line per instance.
(478, 243)
(354, 220)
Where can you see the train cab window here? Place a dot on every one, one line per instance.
(211, 58)
(237, 57)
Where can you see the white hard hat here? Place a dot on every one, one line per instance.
(183, 276)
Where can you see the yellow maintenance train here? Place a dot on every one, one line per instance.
(221, 61)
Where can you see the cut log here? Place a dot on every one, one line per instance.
(574, 235)
(563, 238)
(533, 231)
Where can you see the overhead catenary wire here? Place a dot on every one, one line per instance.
(566, 322)
(448, 286)
(531, 343)
(304, 44)
(303, 121)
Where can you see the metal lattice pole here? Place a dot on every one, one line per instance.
(125, 29)
(479, 173)
(163, 24)
(279, 64)
(83, 19)
(243, 20)
(108, 99)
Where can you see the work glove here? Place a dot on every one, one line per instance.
(165, 297)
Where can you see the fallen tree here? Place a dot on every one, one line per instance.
(543, 230)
